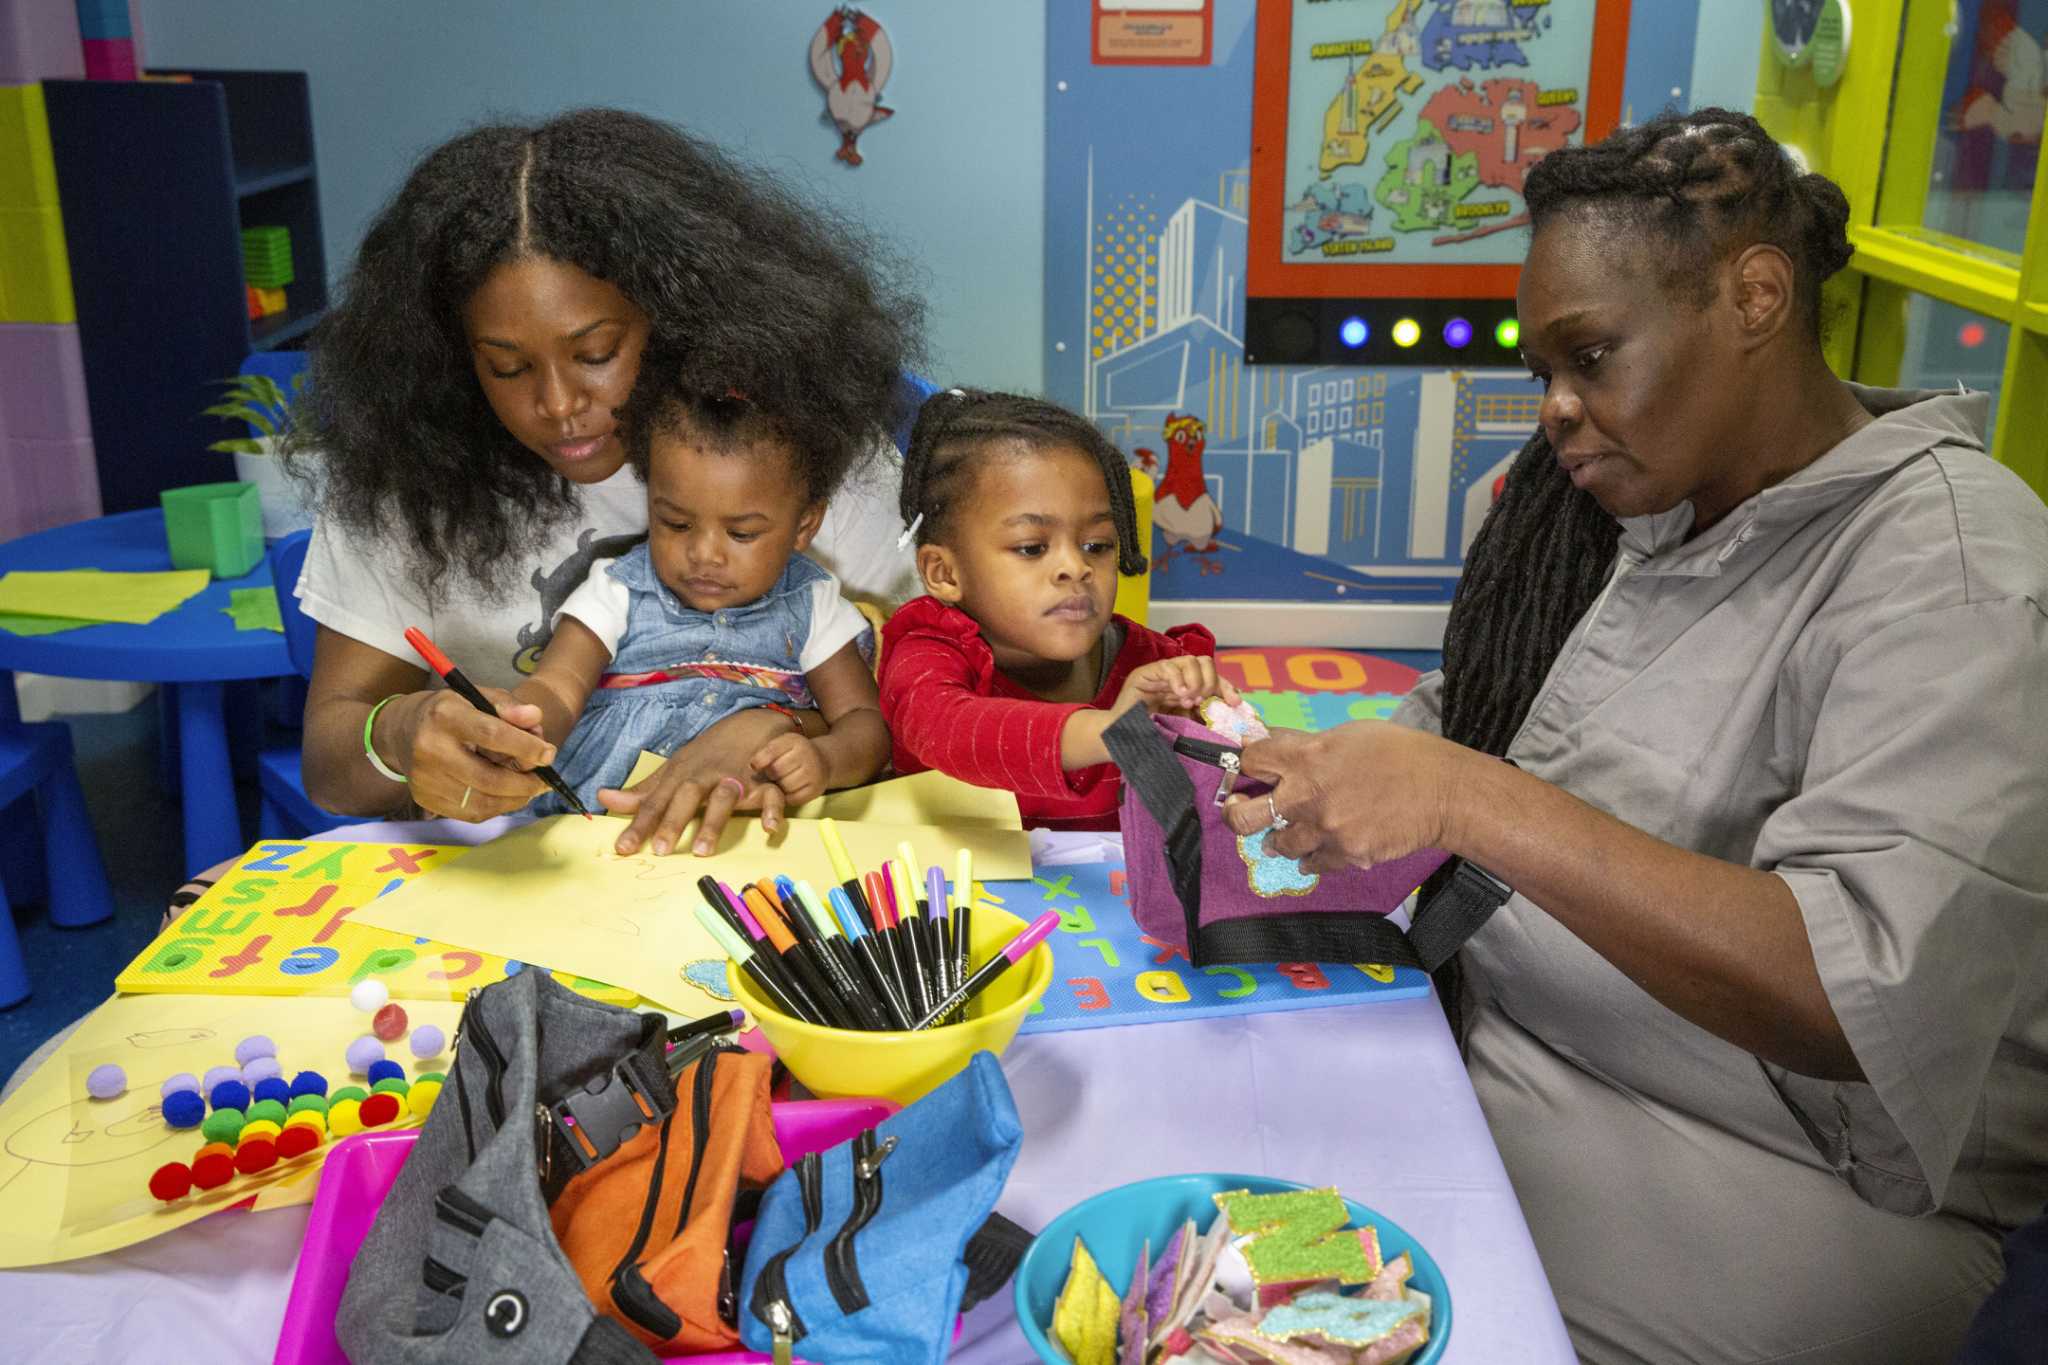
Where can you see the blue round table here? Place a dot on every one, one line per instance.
(192, 651)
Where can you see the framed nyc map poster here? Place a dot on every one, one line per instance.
(1390, 140)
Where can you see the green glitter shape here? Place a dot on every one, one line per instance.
(1295, 1236)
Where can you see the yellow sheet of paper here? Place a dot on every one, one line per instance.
(927, 798)
(74, 1171)
(555, 892)
(97, 595)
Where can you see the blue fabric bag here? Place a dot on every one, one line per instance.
(866, 1253)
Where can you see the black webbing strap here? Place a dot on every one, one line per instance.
(1152, 770)
(607, 1342)
(991, 1256)
(606, 1107)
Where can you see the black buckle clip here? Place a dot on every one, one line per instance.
(602, 1117)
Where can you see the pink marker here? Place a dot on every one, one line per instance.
(1012, 952)
(753, 926)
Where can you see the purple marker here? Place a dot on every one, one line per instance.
(939, 918)
(1013, 951)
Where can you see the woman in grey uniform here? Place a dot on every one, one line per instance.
(1763, 1032)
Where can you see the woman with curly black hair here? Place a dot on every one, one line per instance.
(461, 415)
(1761, 1033)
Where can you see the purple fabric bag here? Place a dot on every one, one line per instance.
(1196, 885)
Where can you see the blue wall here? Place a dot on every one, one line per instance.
(955, 180)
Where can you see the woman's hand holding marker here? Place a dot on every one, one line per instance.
(446, 748)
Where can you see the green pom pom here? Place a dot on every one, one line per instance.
(440, 1076)
(223, 1125)
(268, 1110)
(390, 1085)
(316, 1103)
(349, 1092)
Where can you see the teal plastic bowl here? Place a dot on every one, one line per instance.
(1115, 1222)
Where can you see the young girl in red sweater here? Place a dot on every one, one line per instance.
(1010, 668)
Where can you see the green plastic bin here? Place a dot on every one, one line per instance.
(217, 526)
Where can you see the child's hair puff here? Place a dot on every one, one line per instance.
(955, 427)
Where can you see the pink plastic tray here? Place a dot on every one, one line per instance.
(360, 1170)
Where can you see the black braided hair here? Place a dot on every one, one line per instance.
(667, 399)
(957, 428)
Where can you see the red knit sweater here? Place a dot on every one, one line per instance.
(949, 708)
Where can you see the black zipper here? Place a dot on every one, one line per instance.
(635, 1298)
(440, 1278)
(700, 1130)
(842, 1267)
(1224, 756)
(494, 1060)
(771, 1287)
(458, 1210)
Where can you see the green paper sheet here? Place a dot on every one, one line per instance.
(254, 609)
(86, 595)
(41, 625)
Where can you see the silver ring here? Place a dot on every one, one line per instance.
(1279, 821)
(465, 798)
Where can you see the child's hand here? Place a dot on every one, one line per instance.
(793, 763)
(1179, 685)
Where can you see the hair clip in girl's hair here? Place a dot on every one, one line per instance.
(910, 531)
(956, 393)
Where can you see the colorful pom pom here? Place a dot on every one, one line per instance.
(223, 1125)
(391, 1085)
(106, 1081)
(213, 1170)
(270, 1111)
(255, 1154)
(308, 1119)
(421, 1097)
(386, 1070)
(348, 1092)
(171, 1181)
(428, 1041)
(184, 1080)
(344, 1117)
(229, 1095)
(184, 1109)
(369, 996)
(215, 1075)
(275, 1088)
(260, 1128)
(304, 1104)
(262, 1069)
(309, 1083)
(435, 1076)
(252, 1047)
(389, 1023)
(364, 1053)
(379, 1109)
(296, 1141)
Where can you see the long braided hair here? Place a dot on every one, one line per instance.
(961, 427)
(1702, 186)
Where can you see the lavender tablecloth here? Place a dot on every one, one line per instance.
(1370, 1098)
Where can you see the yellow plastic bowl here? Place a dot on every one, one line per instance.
(837, 1063)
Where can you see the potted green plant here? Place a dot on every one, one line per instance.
(265, 406)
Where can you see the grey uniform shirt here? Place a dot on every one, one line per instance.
(1844, 682)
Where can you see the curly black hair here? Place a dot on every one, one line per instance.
(958, 426)
(739, 278)
(666, 401)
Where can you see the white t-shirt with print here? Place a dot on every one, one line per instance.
(364, 589)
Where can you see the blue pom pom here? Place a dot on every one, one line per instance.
(386, 1070)
(273, 1089)
(184, 1109)
(229, 1095)
(308, 1083)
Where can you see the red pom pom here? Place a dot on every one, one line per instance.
(379, 1109)
(388, 1023)
(256, 1154)
(213, 1170)
(296, 1141)
(172, 1181)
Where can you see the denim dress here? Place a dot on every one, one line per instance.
(679, 671)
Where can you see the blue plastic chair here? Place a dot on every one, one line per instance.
(37, 777)
(287, 812)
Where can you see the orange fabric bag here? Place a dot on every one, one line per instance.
(646, 1229)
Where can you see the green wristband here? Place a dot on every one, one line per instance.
(370, 750)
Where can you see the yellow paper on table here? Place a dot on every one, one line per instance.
(283, 921)
(554, 891)
(926, 798)
(74, 1171)
(133, 599)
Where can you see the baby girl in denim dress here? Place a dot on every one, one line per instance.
(716, 612)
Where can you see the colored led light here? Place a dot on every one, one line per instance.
(1407, 332)
(1971, 334)
(1354, 332)
(1457, 332)
(1508, 333)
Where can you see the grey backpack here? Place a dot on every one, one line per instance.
(462, 1264)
